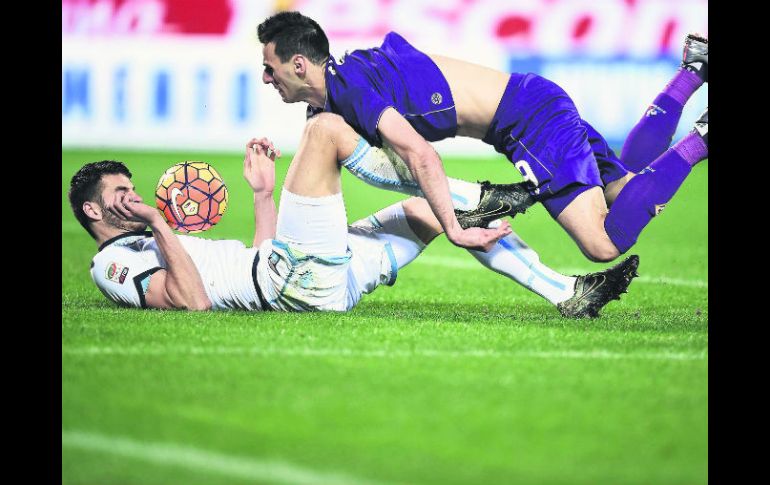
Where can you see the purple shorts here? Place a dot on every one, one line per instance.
(538, 128)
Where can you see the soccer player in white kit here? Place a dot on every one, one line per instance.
(303, 258)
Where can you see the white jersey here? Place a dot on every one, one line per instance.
(315, 262)
(124, 265)
(288, 280)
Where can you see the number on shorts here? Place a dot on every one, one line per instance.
(529, 175)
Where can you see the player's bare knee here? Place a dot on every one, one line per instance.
(323, 125)
(315, 128)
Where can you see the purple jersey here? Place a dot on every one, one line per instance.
(536, 125)
(363, 83)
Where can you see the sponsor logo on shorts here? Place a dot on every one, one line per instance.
(116, 272)
(659, 208)
(436, 98)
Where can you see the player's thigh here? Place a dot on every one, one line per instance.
(314, 171)
(334, 128)
(343, 135)
(583, 219)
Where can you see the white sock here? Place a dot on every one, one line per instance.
(383, 168)
(390, 224)
(465, 195)
(512, 257)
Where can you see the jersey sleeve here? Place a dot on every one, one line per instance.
(123, 275)
(362, 107)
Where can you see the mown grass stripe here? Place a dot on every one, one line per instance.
(466, 264)
(598, 354)
(172, 454)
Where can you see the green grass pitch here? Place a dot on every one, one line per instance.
(455, 375)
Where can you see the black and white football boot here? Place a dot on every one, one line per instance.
(594, 290)
(496, 202)
(702, 126)
(695, 57)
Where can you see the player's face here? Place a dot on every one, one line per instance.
(281, 75)
(112, 185)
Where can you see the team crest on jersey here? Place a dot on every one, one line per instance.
(116, 273)
(654, 110)
(436, 98)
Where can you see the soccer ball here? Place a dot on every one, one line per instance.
(191, 196)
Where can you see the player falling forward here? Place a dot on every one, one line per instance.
(303, 258)
(398, 96)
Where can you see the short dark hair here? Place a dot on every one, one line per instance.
(86, 185)
(293, 33)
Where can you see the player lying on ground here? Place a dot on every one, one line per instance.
(399, 96)
(303, 258)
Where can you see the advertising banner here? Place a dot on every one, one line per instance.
(186, 74)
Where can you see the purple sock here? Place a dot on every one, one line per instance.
(692, 148)
(644, 196)
(652, 134)
(683, 85)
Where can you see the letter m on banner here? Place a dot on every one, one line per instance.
(75, 91)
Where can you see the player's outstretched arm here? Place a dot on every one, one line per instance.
(179, 285)
(259, 172)
(426, 167)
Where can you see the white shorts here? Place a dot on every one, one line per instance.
(316, 262)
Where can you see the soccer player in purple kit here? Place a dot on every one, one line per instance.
(398, 96)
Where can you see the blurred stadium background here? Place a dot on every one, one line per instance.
(186, 74)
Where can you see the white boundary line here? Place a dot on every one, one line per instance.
(465, 264)
(191, 458)
(599, 354)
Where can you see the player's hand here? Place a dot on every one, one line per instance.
(129, 206)
(480, 239)
(259, 165)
